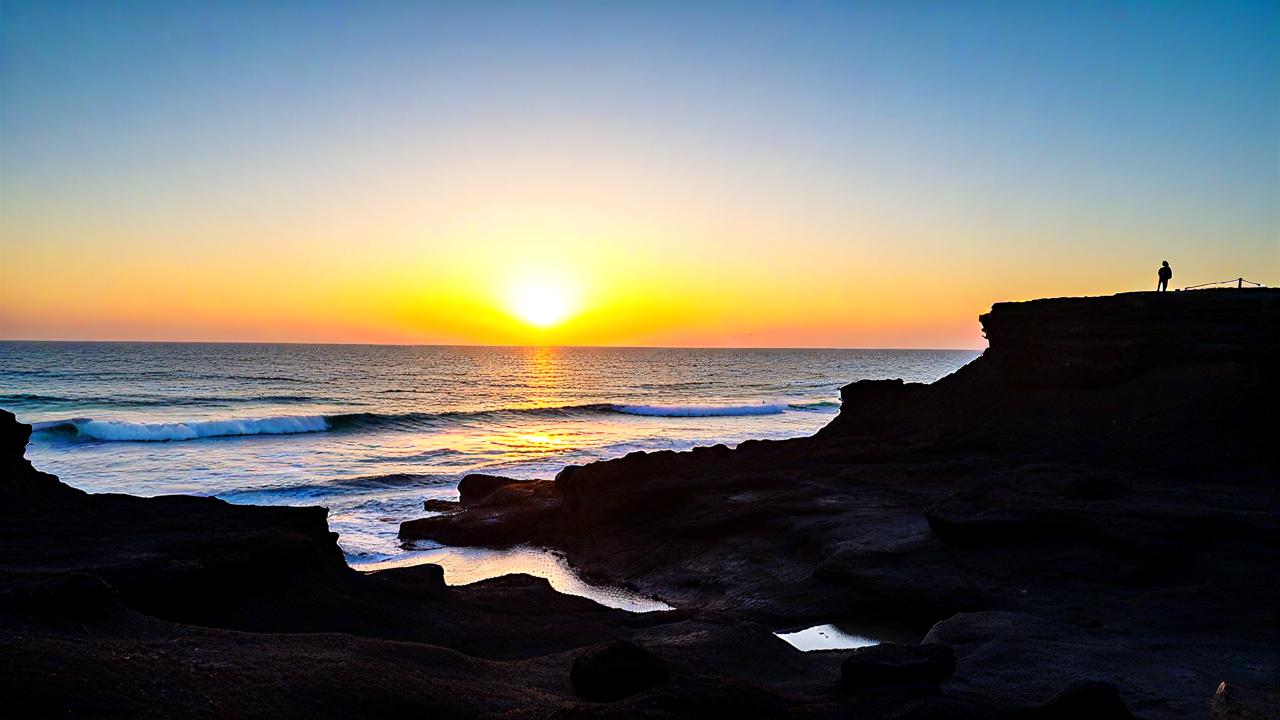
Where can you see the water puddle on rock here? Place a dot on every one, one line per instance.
(463, 566)
(843, 636)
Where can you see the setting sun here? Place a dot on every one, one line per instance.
(540, 302)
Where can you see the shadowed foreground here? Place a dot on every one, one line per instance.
(1080, 522)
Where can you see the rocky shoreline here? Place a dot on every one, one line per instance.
(1083, 521)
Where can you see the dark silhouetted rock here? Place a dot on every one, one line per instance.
(889, 666)
(1099, 341)
(1091, 699)
(510, 513)
(872, 396)
(616, 671)
(474, 488)
(974, 517)
(1093, 488)
(19, 481)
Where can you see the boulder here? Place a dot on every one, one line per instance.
(616, 671)
(974, 517)
(889, 666)
(474, 488)
(443, 506)
(1091, 699)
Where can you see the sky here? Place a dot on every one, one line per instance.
(852, 174)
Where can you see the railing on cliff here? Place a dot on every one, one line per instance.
(1239, 282)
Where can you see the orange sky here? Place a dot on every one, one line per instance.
(340, 279)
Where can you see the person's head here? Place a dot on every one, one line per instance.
(1165, 263)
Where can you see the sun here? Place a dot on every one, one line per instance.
(540, 302)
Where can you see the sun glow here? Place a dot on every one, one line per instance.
(540, 302)
(539, 440)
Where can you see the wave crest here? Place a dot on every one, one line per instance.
(130, 431)
(127, 431)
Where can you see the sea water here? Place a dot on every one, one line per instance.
(370, 431)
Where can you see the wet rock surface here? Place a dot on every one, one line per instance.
(890, 666)
(1081, 516)
(615, 671)
(1085, 699)
(476, 487)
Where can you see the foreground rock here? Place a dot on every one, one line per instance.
(1085, 699)
(893, 667)
(618, 670)
(477, 487)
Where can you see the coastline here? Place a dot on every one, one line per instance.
(1093, 500)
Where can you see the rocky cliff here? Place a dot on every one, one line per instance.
(1100, 341)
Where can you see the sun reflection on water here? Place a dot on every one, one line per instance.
(540, 440)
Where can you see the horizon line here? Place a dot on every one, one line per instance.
(478, 345)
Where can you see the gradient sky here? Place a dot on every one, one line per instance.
(845, 174)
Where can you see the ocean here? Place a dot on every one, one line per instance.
(370, 431)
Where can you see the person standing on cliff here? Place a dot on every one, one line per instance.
(1165, 274)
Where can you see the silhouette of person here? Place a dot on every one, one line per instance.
(1165, 274)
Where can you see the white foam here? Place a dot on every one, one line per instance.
(125, 431)
(700, 410)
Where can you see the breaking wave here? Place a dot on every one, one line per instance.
(127, 431)
(130, 431)
(817, 406)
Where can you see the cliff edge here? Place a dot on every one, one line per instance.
(1102, 341)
